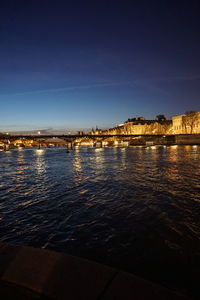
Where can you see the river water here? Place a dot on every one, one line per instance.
(136, 208)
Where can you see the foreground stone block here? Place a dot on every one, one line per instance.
(41, 274)
(57, 275)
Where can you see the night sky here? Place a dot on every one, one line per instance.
(78, 64)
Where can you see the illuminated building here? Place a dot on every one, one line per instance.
(188, 123)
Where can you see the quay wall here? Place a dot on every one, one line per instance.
(191, 139)
(182, 139)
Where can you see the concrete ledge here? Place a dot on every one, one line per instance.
(43, 274)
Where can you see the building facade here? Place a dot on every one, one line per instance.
(187, 123)
(137, 126)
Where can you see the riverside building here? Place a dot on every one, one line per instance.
(188, 123)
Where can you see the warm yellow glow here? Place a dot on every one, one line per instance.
(188, 147)
(98, 149)
(40, 151)
(174, 146)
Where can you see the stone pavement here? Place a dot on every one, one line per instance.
(28, 273)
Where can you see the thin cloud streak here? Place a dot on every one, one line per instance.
(170, 78)
(145, 82)
(152, 83)
(71, 88)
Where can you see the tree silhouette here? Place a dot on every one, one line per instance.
(160, 118)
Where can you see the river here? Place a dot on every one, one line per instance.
(134, 208)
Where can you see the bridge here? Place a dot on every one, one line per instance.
(69, 136)
(86, 139)
(123, 140)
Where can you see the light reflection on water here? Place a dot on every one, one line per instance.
(134, 208)
(40, 163)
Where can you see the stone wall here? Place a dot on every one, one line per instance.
(183, 139)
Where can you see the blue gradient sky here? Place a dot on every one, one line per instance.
(78, 64)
